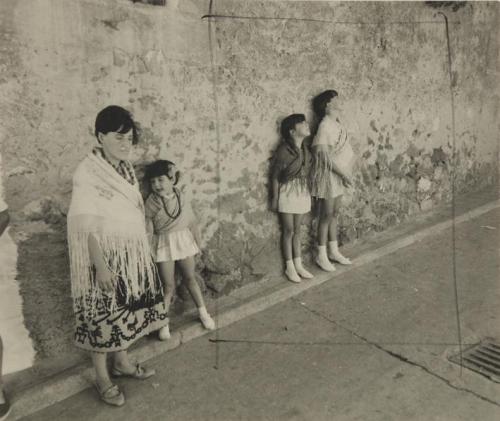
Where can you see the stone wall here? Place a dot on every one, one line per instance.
(61, 62)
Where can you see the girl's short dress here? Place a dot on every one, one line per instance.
(172, 239)
(291, 169)
(175, 245)
(330, 145)
(293, 198)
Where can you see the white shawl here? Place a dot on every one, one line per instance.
(105, 204)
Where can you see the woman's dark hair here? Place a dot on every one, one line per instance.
(116, 119)
(320, 102)
(162, 167)
(289, 123)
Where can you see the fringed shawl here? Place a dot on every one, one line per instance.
(330, 146)
(291, 164)
(106, 205)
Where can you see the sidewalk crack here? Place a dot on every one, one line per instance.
(398, 356)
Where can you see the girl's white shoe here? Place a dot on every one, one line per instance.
(292, 276)
(339, 258)
(301, 271)
(322, 260)
(336, 255)
(291, 273)
(325, 264)
(164, 333)
(207, 321)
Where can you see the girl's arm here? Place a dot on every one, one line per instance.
(105, 278)
(275, 186)
(323, 149)
(345, 178)
(4, 220)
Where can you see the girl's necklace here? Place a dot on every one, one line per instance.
(177, 210)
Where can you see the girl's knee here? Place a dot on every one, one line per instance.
(189, 280)
(288, 231)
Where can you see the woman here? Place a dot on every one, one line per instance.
(116, 292)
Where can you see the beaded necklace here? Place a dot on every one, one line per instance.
(178, 206)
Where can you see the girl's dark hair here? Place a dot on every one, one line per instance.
(162, 167)
(289, 123)
(320, 102)
(116, 119)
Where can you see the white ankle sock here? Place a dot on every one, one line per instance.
(333, 246)
(300, 269)
(322, 260)
(290, 271)
(202, 311)
(335, 254)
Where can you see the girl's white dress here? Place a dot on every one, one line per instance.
(172, 237)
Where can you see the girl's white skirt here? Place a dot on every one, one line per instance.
(293, 199)
(176, 245)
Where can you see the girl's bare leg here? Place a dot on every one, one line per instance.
(297, 252)
(325, 219)
(189, 279)
(2, 397)
(167, 277)
(288, 247)
(333, 245)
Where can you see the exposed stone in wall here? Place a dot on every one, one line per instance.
(63, 61)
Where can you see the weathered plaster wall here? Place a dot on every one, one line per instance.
(63, 61)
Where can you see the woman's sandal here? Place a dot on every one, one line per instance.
(140, 373)
(112, 395)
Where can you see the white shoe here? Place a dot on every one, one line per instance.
(325, 264)
(304, 273)
(164, 333)
(207, 321)
(339, 258)
(292, 276)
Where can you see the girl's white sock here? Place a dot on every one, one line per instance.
(297, 261)
(335, 254)
(205, 318)
(322, 260)
(290, 272)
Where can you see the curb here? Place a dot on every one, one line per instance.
(70, 382)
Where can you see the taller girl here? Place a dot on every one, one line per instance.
(330, 176)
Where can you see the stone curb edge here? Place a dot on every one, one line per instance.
(70, 382)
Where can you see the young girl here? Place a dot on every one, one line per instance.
(331, 175)
(171, 222)
(290, 191)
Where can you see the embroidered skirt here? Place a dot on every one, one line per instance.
(294, 199)
(115, 328)
(176, 245)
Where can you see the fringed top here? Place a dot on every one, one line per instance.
(330, 148)
(292, 165)
(104, 204)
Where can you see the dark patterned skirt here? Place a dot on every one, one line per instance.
(115, 328)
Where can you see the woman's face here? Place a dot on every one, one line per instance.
(117, 145)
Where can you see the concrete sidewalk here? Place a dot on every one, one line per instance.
(370, 344)
(30, 396)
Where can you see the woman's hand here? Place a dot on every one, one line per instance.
(105, 278)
